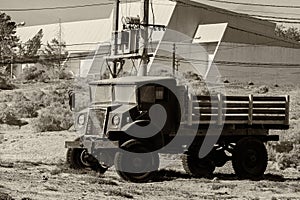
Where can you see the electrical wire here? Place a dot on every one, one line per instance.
(255, 4)
(269, 12)
(54, 8)
(233, 63)
(227, 12)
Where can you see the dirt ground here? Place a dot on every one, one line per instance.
(32, 166)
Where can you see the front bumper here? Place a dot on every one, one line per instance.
(92, 143)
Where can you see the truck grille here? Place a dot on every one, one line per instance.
(96, 122)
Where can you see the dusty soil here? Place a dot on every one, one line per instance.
(32, 166)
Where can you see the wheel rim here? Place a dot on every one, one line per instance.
(84, 158)
(251, 159)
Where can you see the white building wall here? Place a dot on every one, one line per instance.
(245, 53)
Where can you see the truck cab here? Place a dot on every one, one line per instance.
(120, 111)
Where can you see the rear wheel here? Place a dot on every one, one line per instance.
(249, 158)
(135, 163)
(197, 167)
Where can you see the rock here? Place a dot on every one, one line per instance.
(263, 90)
(226, 81)
(45, 178)
(250, 83)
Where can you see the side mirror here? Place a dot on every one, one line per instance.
(71, 94)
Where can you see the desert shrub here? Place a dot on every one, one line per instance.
(56, 117)
(25, 109)
(12, 97)
(36, 74)
(5, 83)
(18, 96)
(35, 95)
(284, 154)
(291, 159)
(7, 115)
(63, 74)
(4, 97)
(3, 106)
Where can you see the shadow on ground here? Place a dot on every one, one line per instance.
(169, 175)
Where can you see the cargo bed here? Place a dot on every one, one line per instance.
(249, 110)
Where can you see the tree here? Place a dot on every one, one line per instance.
(34, 44)
(54, 53)
(8, 40)
(290, 33)
(29, 51)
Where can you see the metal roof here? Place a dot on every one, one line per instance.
(136, 80)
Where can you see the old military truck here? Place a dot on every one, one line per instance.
(115, 128)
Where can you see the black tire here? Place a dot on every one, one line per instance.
(197, 167)
(249, 158)
(80, 159)
(135, 167)
(76, 160)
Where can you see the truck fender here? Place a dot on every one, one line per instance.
(128, 132)
(141, 129)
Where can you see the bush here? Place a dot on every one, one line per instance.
(63, 74)
(5, 84)
(56, 117)
(7, 116)
(284, 155)
(36, 74)
(25, 109)
(286, 160)
(12, 97)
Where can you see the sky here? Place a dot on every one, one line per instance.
(96, 12)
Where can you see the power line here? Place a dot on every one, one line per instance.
(246, 16)
(233, 63)
(283, 21)
(274, 17)
(270, 12)
(55, 8)
(97, 55)
(254, 4)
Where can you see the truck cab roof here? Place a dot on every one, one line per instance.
(136, 80)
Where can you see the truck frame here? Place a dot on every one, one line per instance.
(115, 126)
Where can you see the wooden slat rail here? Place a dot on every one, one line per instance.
(250, 109)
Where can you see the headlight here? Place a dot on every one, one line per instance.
(116, 120)
(81, 120)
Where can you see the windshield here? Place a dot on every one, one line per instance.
(117, 93)
(101, 94)
(125, 93)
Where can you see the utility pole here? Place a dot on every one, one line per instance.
(174, 59)
(59, 40)
(144, 40)
(115, 36)
(11, 66)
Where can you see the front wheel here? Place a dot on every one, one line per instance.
(249, 158)
(78, 158)
(135, 163)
